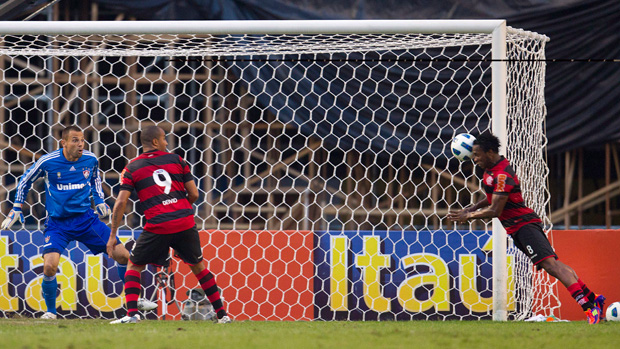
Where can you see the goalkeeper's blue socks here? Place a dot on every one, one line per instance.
(48, 288)
(122, 269)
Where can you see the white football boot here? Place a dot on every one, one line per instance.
(146, 305)
(224, 320)
(48, 316)
(127, 320)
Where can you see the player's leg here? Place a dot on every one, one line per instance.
(121, 256)
(207, 282)
(187, 246)
(133, 287)
(577, 288)
(56, 240)
(132, 294)
(96, 238)
(49, 285)
(534, 243)
(149, 249)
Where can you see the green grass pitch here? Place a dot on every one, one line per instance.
(33, 333)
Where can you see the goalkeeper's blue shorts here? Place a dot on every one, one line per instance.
(85, 228)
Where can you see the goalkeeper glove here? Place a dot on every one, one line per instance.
(14, 216)
(103, 210)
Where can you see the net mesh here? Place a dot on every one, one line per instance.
(322, 162)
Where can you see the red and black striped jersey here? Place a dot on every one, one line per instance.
(502, 179)
(159, 178)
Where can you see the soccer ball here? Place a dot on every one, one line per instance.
(613, 312)
(462, 146)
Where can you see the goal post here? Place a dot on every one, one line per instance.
(498, 127)
(327, 139)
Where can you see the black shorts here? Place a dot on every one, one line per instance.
(154, 248)
(532, 241)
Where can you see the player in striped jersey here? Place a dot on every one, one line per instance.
(71, 179)
(504, 201)
(166, 190)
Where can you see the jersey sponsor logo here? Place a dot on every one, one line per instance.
(501, 183)
(169, 201)
(86, 173)
(70, 186)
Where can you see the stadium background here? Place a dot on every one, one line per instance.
(582, 122)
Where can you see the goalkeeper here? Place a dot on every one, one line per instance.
(504, 201)
(71, 178)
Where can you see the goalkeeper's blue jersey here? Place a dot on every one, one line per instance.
(68, 184)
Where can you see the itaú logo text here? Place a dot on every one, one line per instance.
(70, 186)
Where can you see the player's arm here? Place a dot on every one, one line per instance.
(23, 187)
(117, 216)
(192, 191)
(478, 205)
(495, 209)
(188, 182)
(459, 215)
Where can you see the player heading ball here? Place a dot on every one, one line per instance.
(504, 201)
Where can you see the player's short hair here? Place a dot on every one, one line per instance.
(148, 134)
(65, 133)
(487, 141)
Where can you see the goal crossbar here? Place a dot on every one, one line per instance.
(254, 27)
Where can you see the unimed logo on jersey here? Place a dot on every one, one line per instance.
(70, 186)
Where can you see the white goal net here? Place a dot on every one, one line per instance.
(322, 161)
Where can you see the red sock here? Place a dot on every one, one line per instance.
(132, 291)
(586, 291)
(577, 293)
(207, 283)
